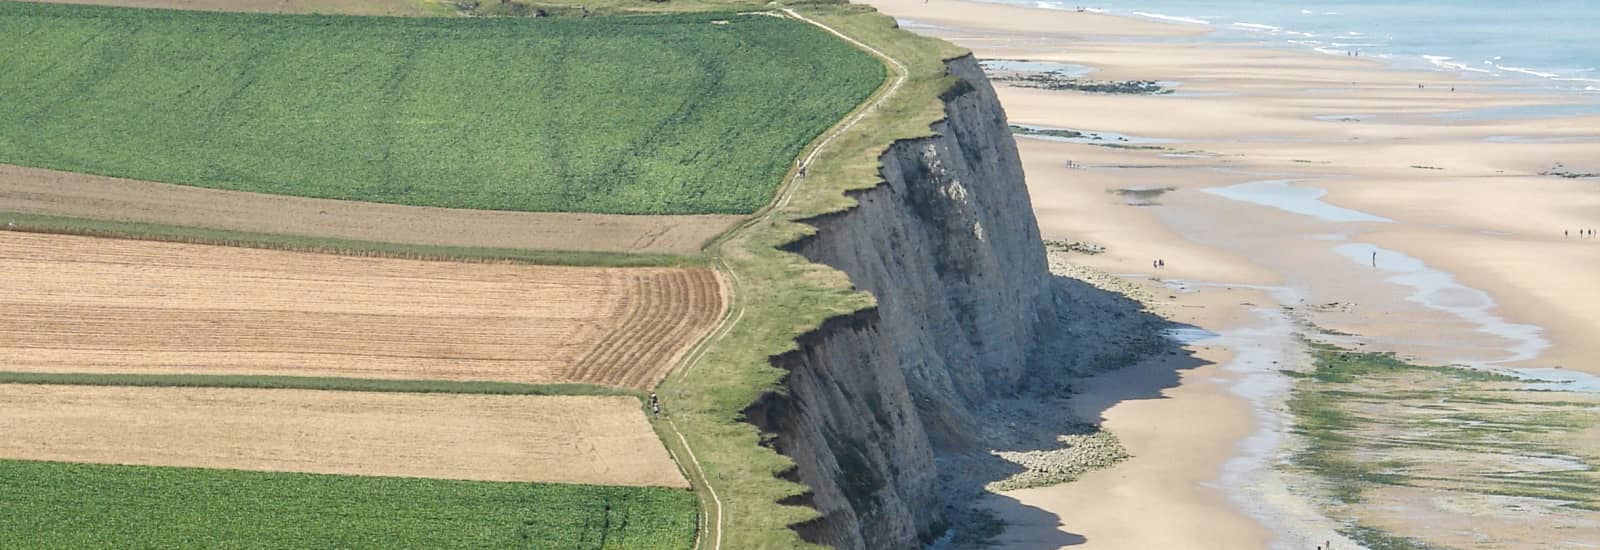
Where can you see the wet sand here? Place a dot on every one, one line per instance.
(1286, 171)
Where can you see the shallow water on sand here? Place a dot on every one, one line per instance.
(1072, 70)
(1439, 290)
(1284, 195)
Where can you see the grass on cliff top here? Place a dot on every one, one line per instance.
(63, 225)
(782, 295)
(56, 505)
(660, 114)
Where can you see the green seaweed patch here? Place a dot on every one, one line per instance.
(1370, 421)
(1376, 539)
(1051, 132)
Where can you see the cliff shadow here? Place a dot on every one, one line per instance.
(1104, 348)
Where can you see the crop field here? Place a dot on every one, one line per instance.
(50, 192)
(56, 505)
(84, 304)
(671, 114)
(363, 7)
(603, 440)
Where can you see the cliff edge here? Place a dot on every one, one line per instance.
(948, 245)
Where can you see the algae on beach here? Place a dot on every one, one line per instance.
(1407, 456)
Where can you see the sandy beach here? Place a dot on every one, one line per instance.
(1333, 189)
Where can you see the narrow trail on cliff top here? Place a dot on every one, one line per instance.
(736, 309)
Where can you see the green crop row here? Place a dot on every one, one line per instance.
(661, 114)
(57, 505)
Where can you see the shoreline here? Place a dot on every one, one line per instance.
(1226, 31)
(1323, 155)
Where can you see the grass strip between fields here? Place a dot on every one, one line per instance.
(305, 383)
(781, 296)
(41, 223)
(60, 505)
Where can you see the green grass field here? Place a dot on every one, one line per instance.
(669, 114)
(56, 505)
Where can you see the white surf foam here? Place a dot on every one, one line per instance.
(1174, 18)
(1257, 26)
(1527, 71)
(1444, 61)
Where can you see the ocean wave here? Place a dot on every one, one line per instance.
(1165, 17)
(1062, 6)
(1257, 27)
(1527, 71)
(1444, 62)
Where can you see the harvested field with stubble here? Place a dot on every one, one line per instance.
(53, 192)
(91, 305)
(601, 440)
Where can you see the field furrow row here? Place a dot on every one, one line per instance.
(80, 304)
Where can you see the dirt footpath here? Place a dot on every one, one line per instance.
(83, 304)
(557, 439)
(40, 191)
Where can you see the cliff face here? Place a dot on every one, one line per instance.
(949, 246)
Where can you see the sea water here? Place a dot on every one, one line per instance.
(1548, 44)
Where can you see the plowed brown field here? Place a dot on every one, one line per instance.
(83, 304)
(557, 439)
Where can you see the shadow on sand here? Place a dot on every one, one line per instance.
(1101, 337)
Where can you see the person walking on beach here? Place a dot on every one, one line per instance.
(1374, 258)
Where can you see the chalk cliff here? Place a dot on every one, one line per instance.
(949, 246)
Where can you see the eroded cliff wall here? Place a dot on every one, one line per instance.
(949, 246)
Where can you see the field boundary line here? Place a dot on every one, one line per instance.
(736, 309)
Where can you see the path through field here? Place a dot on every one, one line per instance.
(82, 304)
(712, 530)
(561, 439)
